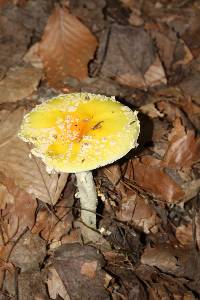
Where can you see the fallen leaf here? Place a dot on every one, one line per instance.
(151, 111)
(28, 173)
(190, 86)
(55, 226)
(73, 237)
(16, 38)
(184, 234)
(31, 285)
(163, 286)
(55, 285)
(66, 48)
(137, 211)
(166, 41)
(155, 75)
(5, 251)
(51, 227)
(69, 264)
(162, 257)
(114, 174)
(187, 58)
(176, 261)
(5, 196)
(197, 228)
(127, 285)
(149, 174)
(89, 269)
(19, 214)
(184, 147)
(191, 35)
(19, 83)
(191, 189)
(192, 110)
(32, 57)
(127, 58)
(29, 252)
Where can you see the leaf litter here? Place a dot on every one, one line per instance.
(147, 54)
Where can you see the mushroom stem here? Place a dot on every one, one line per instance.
(88, 197)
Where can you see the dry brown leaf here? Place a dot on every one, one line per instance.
(138, 212)
(162, 257)
(73, 237)
(151, 111)
(66, 48)
(19, 214)
(28, 173)
(69, 261)
(188, 57)
(89, 269)
(129, 55)
(184, 147)
(149, 174)
(55, 227)
(29, 252)
(114, 174)
(52, 228)
(197, 229)
(155, 75)
(192, 110)
(173, 260)
(184, 235)
(19, 83)
(32, 56)
(191, 189)
(166, 41)
(56, 286)
(5, 196)
(5, 251)
(15, 38)
(31, 286)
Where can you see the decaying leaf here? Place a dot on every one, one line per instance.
(32, 56)
(29, 173)
(18, 214)
(19, 83)
(184, 147)
(151, 111)
(5, 251)
(28, 254)
(31, 285)
(149, 174)
(184, 235)
(56, 286)
(166, 41)
(79, 268)
(127, 58)
(177, 261)
(155, 75)
(52, 227)
(66, 48)
(114, 174)
(15, 38)
(137, 211)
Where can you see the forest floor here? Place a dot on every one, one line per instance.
(147, 54)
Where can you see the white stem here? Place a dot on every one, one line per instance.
(88, 197)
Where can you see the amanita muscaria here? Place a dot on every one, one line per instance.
(77, 133)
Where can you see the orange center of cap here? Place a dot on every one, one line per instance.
(76, 128)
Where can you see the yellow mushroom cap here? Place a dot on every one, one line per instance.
(80, 131)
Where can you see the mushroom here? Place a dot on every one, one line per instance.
(77, 133)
